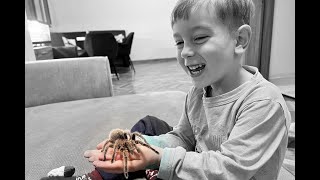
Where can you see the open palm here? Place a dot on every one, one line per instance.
(136, 161)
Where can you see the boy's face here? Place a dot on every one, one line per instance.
(205, 48)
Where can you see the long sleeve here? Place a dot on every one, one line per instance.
(181, 135)
(253, 148)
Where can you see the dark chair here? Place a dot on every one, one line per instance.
(64, 52)
(125, 50)
(102, 44)
(57, 41)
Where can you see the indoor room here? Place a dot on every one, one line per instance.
(96, 65)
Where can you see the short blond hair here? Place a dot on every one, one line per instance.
(232, 13)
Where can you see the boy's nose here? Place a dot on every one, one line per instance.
(187, 52)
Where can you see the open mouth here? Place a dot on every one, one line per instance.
(195, 70)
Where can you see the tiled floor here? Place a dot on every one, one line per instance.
(151, 76)
(167, 75)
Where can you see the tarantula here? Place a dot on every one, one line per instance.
(126, 142)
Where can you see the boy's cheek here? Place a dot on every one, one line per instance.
(183, 67)
(180, 61)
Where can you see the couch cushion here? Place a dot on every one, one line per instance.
(58, 80)
(58, 134)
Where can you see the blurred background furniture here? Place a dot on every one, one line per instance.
(56, 39)
(102, 44)
(55, 52)
(70, 39)
(125, 50)
(81, 44)
(69, 79)
(64, 52)
(77, 39)
(114, 32)
(43, 52)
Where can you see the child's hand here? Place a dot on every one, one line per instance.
(93, 155)
(100, 145)
(136, 161)
(96, 154)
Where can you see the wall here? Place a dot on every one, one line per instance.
(149, 19)
(282, 59)
(29, 53)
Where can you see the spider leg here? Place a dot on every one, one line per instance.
(125, 164)
(136, 147)
(139, 135)
(105, 144)
(128, 146)
(115, 148)
(147, 145)
(105, 152)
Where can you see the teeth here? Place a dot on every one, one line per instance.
(196, 72)
(196, 69)
(193, 67)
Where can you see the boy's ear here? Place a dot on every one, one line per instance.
(242, 37)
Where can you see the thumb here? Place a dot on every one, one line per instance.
(115, 167)
(100, 145)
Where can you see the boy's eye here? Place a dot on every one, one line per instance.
(200, 39)
(179, 44)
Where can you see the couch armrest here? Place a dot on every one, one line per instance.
(59, 80)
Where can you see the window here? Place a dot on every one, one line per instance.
(38, 10)
(39, 32)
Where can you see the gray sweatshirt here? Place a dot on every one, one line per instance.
(241, 134)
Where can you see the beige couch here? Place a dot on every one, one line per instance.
(70, 108)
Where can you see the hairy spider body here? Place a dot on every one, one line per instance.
(125, 142)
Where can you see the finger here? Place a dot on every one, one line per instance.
(100, 145)
(117, 166)
(109, 157)
(94, 158)
(90, 153)
(107, 166)
(93, 155)
(110, 150)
